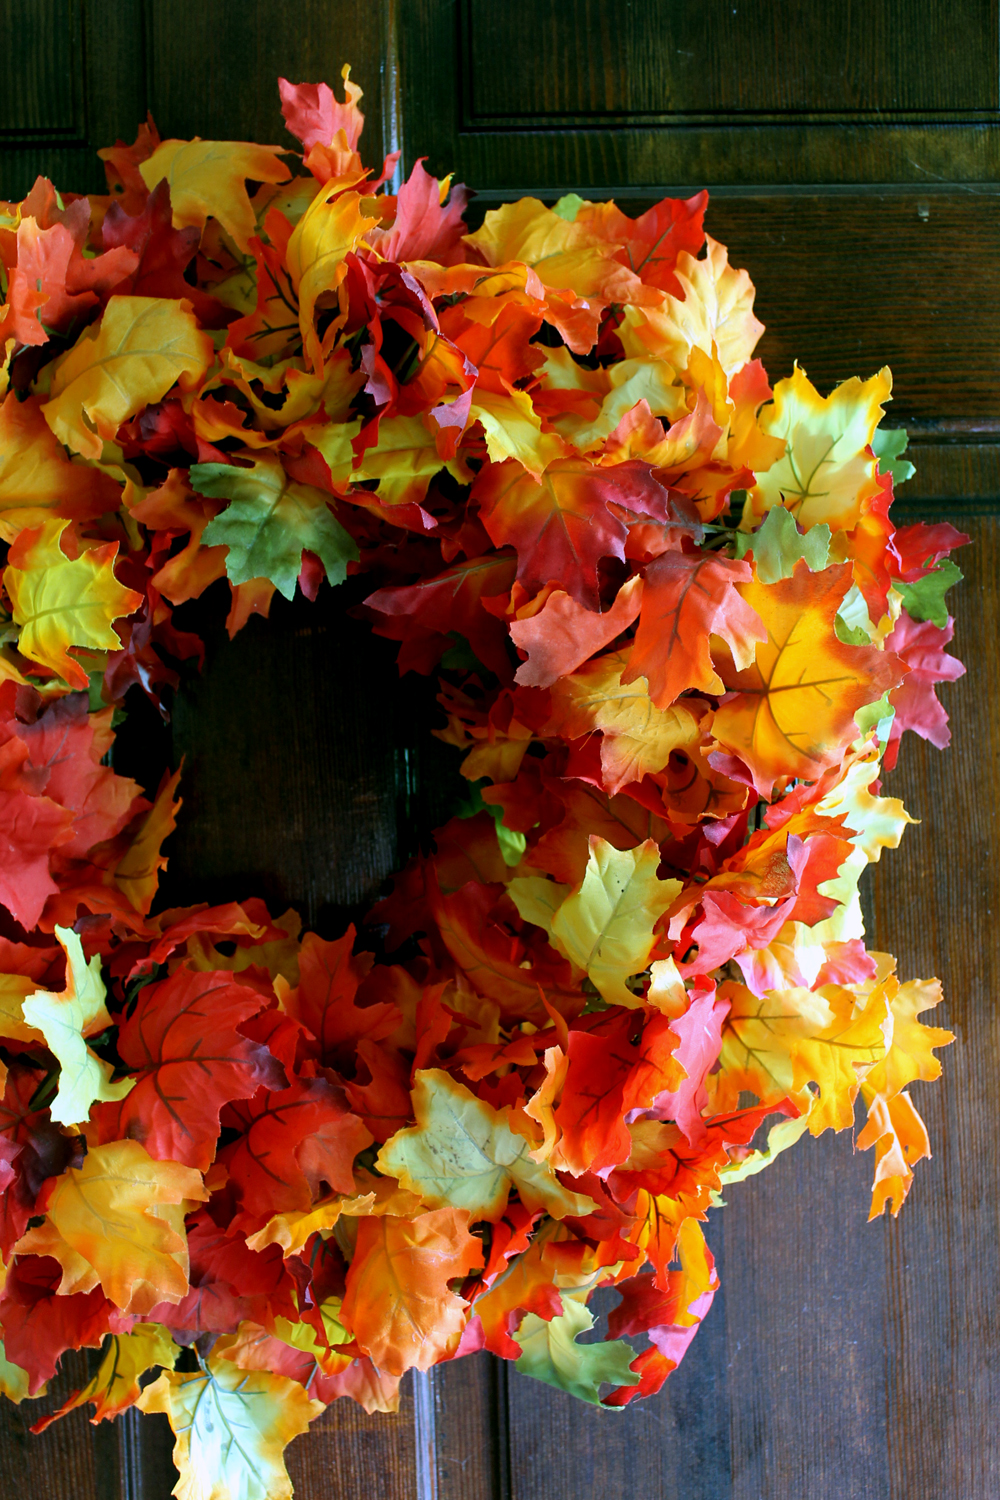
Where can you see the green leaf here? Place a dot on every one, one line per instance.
(552, 1354)
(924, 600)
(887, 445)
(512, 844)
(777, 545)
(462, 1153)
(877, 716)
(568, 207)
(269, 523)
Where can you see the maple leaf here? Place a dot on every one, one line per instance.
(40, 1325)
(715, 315)
(141, 347)
(637, 737)
(561, 525)
(828, 471)
(562, 635)
(52, 285)
(270, 521)
(652, 243)
(792, 712)
(60, 602)
(324, 1000)
(64, 1020)
(453, 601)
(115, 1386)
(231, 1428)
(123, 1215)
(687, 598)
(31, 828)
(398, 1304)
(137, 872)
(284, 1133)
(550, 1352)
(207, 178)
(605, 927)
(188, 1059)
(462, 1153)
(315, 116)
(37, 480)
(423, 229)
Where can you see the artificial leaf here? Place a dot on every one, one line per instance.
(122, 1213)
(270, 521)
(62, 602)
(398, 1304)
(792, 712)
(64, 1020)
(188, 1059)
(142, 347)
(550, 1352)
(687, 598)
(115, 1386)
(828, 472)
(462, 1153)
(924, 599)
(231, 1428)
(208, 178)
(606, 927)
(561, 525)
(777, 545)
(37, 481)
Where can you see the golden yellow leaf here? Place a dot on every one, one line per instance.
(209, 178)
(37, 480)
(138, 871)
(715, 315)
(60, 602)
(293, 1230)
(637, 737)
(123, 1213)
(115, 1387)
(316, 255)
(827, 471)
(141, 347)
(606, 926)
(14, 990)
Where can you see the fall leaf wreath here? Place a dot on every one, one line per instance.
(679, 635)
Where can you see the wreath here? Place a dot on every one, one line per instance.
(677, 635)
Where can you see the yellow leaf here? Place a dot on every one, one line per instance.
(514, 430)
(14, 1382)
(715, 315)
(404, 461)
(637, 737)
(606, 927)
(776, 1045)
(115, 1387)
(123, 1213)
(293, 1230)
(64, 1020)
(37, 480)
(828, 471)
(462, 1153)
(61, 602)
(14, 990)
(138, 870)
(317, 251)
(141, 347)
(207, 178)
(231, 1427)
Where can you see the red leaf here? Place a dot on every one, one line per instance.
(182, 1041)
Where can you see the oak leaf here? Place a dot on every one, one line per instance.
(123, 1214)
(231, 1428)
(398, 1303)
(208, 179)
(463, 1153)
(142, 347)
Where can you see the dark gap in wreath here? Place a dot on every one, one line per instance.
(310, 770)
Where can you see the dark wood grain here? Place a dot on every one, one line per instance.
(586, 60)
(571, 55)
(347, 1454)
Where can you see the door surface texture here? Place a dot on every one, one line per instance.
(852, 152)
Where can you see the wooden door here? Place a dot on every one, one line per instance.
(852, 154)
